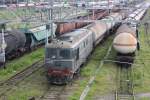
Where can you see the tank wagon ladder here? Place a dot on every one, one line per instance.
(124, 81)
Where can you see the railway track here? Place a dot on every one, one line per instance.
(92, 79)
(124, 83)
(53, 93)
(17, 78)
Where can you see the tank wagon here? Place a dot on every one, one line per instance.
(18, 41)
(126, 40)
(65, 55)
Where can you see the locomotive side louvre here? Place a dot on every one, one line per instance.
(83, 48)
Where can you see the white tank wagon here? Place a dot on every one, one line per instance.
(126, 40)
(65, 55)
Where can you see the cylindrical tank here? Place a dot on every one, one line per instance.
(14, 40)
(125, 41)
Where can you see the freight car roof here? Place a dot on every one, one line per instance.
(39, 33)
(69, 40)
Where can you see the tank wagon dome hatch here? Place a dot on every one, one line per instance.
(68, 40)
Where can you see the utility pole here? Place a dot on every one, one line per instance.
(49, 26)
(2, 47)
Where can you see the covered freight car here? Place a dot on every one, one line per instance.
(18, 41)
(37, 35)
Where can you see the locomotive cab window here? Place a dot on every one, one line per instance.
(65, 54)
(52, 53)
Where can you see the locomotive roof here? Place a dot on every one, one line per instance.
(69, 40)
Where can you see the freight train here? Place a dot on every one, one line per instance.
(21, 40)
(65, 55)
(126, 40)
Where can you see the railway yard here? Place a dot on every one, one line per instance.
(74, 50)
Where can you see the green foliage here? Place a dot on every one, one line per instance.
(17, 65)
(141, 69)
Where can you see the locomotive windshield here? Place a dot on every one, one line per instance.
(64, 54)
(58, 53)
(52, 53)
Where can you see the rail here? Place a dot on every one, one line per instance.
(124, 82)
(53, 93)
(17, 78)
(88, 86)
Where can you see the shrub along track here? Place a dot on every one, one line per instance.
(17, 78)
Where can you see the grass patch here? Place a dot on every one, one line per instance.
(33, 86)
(17, 65)
(142, 71)
(144, 98)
